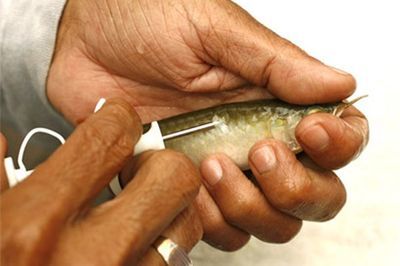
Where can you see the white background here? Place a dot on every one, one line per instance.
(363, 38)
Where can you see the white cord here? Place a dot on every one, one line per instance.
(29, 136)
(18, 175)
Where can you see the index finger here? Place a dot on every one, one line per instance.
(89, 159)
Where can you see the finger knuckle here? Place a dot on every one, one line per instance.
(290, 187)
(24, 241)
(230, 243)
(334, 205)
(242, 208)
(111, 136)
(308, 200)
(284, 233)
(195, 232)
(292, 194)
(235, 243)
(179, 169)
(120, 107)
(213, 225)
(220, 235)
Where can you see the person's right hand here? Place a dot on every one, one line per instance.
(48, 218)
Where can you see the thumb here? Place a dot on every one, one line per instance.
(236, 41)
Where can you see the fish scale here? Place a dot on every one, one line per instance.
(234, 128)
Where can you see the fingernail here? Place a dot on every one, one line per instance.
(337, 70)
(263, 159)
(211, 171)
(315, 138)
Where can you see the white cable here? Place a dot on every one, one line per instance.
(151, 140)
(29, 136)
(18, 175)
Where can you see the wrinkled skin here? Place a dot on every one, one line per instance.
(48, 219)
(171, 56)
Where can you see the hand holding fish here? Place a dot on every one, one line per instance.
(283, 189)
(175, 56)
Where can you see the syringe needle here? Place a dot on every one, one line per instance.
(191, 130)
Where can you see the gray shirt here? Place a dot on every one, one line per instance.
(27, 37)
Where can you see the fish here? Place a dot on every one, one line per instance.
(233, 128)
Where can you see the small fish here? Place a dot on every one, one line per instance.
(235, 127)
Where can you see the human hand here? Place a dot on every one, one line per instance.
(283, 190)
(48, 218)
(168, 57)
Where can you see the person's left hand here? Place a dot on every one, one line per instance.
(172, 56)
(48, 219)
(283, 190)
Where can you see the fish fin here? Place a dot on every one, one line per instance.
(346, 104)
